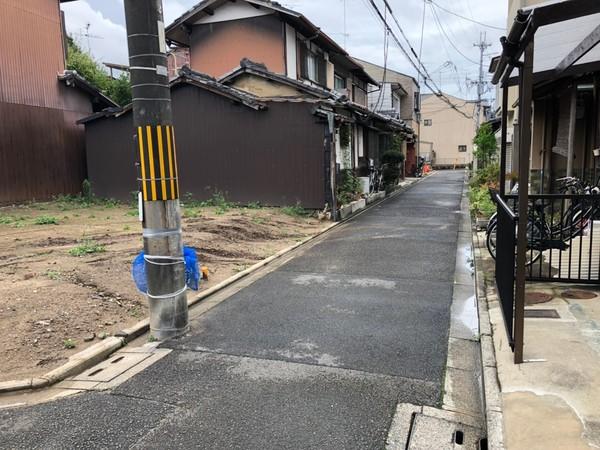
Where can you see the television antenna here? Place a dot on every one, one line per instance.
(87, 35)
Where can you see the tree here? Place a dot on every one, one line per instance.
(485, 143)
(118, 89)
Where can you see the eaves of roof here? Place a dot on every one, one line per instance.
(72, 78)
(189, 76)
(199, 80)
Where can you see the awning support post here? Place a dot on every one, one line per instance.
(525, 113)
(503, 143)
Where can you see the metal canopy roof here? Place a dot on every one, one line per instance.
(559, 26)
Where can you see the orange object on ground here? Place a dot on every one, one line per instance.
(204, 271)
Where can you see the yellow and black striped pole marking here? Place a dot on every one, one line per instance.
(158, 162)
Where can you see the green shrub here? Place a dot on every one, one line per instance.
(118, 89)
(393, 157)
(480, 202)
(391, 176)
(46, 220)
(488, 176)
(392, 160)
(349, 188)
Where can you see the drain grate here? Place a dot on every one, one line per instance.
(541, 314)
(579, 294)
(533, 298)
(112, 368)
(459, 437)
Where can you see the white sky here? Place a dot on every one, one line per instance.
(364, 38)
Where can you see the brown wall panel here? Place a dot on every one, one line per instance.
(111, 156)
(274, 156)
(42, 152)
(218, 48)
(31, 55)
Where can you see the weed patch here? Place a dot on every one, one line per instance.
(294, 211)
(87, 247)
(13, 221)
(46, 220)
(53, 274)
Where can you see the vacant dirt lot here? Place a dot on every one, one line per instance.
(65, 270)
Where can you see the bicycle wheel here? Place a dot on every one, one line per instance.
(492, 221)
(533, 233)
(490, 238)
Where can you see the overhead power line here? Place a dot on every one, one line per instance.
(443, 31)
(419, 67)
(465, 18)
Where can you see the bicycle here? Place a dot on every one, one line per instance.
(540, 235)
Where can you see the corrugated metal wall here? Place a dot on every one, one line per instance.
(37, 162)
(32, 52)
(275, 156)
(42, 150)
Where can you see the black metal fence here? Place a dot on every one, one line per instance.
(563, 238)
(505, 263)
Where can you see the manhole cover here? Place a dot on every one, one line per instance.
(579, 294)
(533, 298)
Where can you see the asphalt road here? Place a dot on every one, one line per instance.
(315, 355)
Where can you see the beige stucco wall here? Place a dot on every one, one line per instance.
(265, 88)
(449, 129)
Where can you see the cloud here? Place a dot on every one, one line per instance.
(107, 40)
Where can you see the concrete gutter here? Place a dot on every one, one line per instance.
(100, 351)
(491, 384)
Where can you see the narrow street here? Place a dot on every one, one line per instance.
(314, 355)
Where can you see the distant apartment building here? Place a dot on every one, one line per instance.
(447, 132)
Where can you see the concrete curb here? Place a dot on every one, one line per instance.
(76, 364)
(100, 351)
(491, 385)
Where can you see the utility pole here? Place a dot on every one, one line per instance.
(155, 147)
(482, 44)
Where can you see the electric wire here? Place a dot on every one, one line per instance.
(386, 41)
(443, 31)
(431, 2)
(419, 67)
